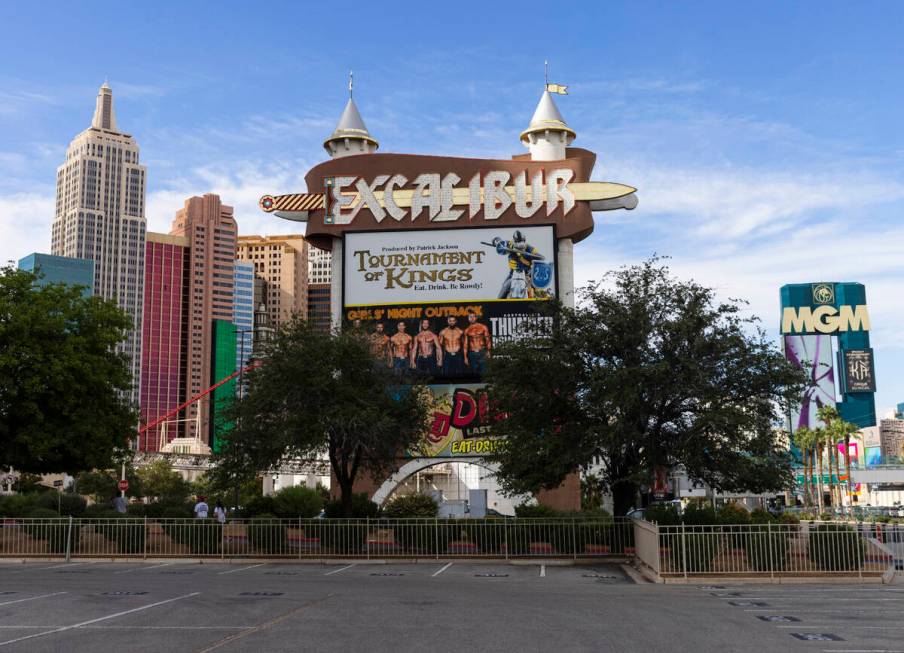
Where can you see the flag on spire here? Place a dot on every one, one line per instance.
(560, 89)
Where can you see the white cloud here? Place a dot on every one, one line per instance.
(25, 220)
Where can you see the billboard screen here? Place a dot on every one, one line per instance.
(437, 301)
(459, 422)
(813, 354)
(859, 370)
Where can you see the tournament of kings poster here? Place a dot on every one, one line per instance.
(437, 301)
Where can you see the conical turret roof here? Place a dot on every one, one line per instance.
(546, 117)
(351, 126)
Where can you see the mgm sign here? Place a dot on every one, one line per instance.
(825, 331)
(442, 258)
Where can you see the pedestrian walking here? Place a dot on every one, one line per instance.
(220, 512)
(201, 509)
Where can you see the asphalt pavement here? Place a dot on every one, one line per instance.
(177, 606)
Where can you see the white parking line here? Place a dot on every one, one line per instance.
(441, 570)
(32, 598)
(125, 571)
(336, 571)
(232, 571)
(99, 619)
(65, 564)
(542, 571)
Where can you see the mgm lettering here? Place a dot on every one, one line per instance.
(824, 319)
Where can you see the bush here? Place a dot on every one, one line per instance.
(201, 536)
(362, 508)
(731, 514)
(764, 547)
(411, 506)
(535, 511)
(18, 505)
(836, 547)
(267, 534)
(760, 516)
(701, 550)
(168, 510)
(297, 501)
(259, 505)
(789, 518)
(128, 533)
(663, 514)
(68, 504)
(53, 529)
(699, 515)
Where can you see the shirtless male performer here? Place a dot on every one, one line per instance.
(400, 344)
(426, 353)
(453, 358)
(379, 345)
(477, 345)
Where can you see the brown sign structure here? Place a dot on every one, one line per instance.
(410, 191)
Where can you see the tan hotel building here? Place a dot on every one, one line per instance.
(282, 263)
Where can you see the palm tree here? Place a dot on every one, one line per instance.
(803, 438)
(841, 431)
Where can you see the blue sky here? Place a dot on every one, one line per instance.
(765, 138)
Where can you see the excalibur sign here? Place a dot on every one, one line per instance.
(344, 197)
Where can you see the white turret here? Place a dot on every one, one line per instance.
(351, 135)
(548, 135)
(104, 116)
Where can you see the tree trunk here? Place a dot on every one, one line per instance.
(808, 478)
(831, 480)
(847, 470)
(820, 497)
(623, 496)
(345, 497)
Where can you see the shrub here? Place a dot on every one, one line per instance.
(267, 534)
(789, 518)
(362, 508)
(411, 506)
(663, 514)
(764, 547)
(699, 515)
(128, 533)
(297, 501)
(836, 547)
(341, 536)
(53, 529)
(68, 504)
(731, 514)
(486, 535)
(18, 505)
(259, 506)
(701, 549)
(535, 511)
(161, 509)
(760, 516)
(202, 536)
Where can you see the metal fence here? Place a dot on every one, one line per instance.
(316, 538)
(810, 548)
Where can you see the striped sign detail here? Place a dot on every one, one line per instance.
(294, 202)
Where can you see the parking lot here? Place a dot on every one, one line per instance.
(178, 606)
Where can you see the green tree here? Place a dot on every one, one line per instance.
(838, 430)
(323, 393)
(647, 372)
(100, 485)
(159, 481)
(63, 404)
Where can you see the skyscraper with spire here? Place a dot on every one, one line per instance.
(100, 198)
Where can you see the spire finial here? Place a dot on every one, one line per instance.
(545, 73)
(351, 83)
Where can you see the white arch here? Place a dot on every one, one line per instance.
(416, 465)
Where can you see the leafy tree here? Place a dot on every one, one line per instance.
(411, 506)
(62, 386)
(647, 372)
(158, 480)
(100, 485)
(592, 490)
(323, 393)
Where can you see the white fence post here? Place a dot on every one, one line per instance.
(69, 539)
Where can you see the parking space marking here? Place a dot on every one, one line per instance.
(232, 571)
(542, 571)
(32, 598)
(265, 625)
(99, 619)
(441, 569)
(336, 571)
(65, 564)
(125, 571)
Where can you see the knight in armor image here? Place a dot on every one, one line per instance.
(524, 262)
